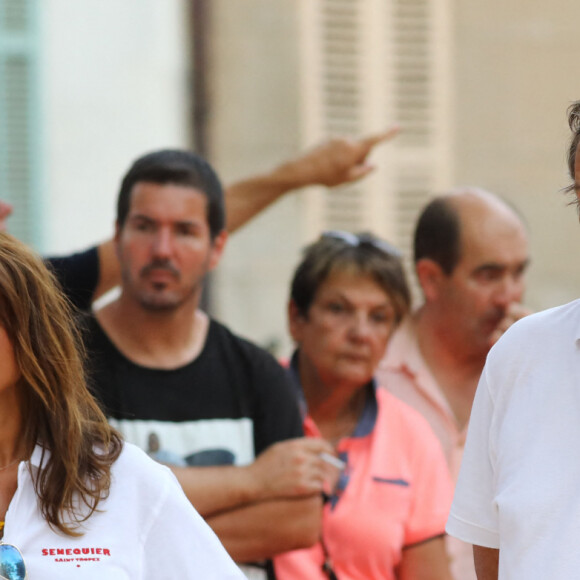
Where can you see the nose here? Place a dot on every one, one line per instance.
(163, 244)
(360, 328)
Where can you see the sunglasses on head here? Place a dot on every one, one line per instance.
(12, 565)
(362, 239)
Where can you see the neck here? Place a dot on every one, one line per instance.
(454, 368)
(442, 348)
(335, 408)
(158, 339)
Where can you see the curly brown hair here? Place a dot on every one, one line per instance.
(78, 445)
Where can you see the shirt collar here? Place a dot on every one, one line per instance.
(37, 458)
(368, 418)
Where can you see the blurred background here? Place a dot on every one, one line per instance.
(479, 88)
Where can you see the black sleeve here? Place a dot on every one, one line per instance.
(78, 274)
(277, 416)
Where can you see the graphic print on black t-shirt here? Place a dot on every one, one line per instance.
(227, 405)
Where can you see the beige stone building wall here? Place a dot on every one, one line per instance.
(483, 88)
(514, 76)
(254, 90)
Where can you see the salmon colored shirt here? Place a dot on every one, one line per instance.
(405, 374)
(394, 492)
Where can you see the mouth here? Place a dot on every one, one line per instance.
(355, 358)
(160, 273)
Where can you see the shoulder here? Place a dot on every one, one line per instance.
(531, 335)
(88, 324)
(220, 332)
(83, 264)
(135, 465)
(148, 483)
(235, 347)
(78, 275)
(404, 420)
(94, 337)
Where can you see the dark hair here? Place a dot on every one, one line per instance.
(574, 124)
(437, 234)
(363, 253)
(181, 168)
(78, 444)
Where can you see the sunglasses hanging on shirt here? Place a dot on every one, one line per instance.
(12, 565)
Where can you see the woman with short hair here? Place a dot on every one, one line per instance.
(385, 517)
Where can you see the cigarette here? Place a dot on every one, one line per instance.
(334, 461)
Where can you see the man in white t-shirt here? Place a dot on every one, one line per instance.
(471, 253)
(517, 496)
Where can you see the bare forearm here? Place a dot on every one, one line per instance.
(287, 469)
(486, 562)
(425, 561)
(212, 490)
(334, 162)
(245, 199)
(262, 530)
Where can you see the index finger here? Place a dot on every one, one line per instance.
(317, 445)
(370, 141)
(516, 310)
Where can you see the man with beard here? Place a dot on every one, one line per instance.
(182, 386)
(471, 254)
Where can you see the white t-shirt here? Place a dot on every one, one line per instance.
(145, 529)
(519, 484)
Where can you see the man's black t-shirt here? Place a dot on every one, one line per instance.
(226, 406)
(78, 275)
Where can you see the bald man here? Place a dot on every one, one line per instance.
(471, 254)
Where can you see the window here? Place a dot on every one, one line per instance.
(365, 65)
(19, 131)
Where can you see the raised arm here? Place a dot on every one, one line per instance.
(334, 162)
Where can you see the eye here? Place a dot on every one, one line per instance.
(185, 230)
(520, 271)
(489, 274)
(336, 308)
(379, 317)
(144, 226)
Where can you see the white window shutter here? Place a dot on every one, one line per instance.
(19, 135)
(367, 64)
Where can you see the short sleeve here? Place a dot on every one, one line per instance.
(474, 517)
(179, 544)
(78, 275)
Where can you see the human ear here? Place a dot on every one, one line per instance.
(430, 276)
(217, 249)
